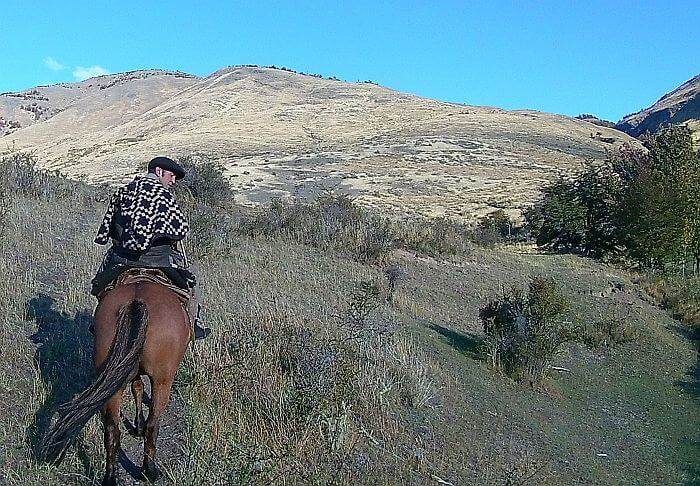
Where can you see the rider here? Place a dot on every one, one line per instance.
(146, 225)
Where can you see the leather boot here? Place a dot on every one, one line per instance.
(200, 332)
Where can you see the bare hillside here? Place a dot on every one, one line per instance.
(281, 133)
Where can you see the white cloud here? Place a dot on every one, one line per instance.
(53, 64)
(81, 73)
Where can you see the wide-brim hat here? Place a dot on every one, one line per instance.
(167, 164)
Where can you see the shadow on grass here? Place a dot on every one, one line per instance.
(64, 358)
(469, 345)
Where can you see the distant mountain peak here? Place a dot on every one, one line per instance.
(680, 106)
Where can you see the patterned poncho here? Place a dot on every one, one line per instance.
(145, 210)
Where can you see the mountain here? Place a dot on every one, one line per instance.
(282, 133)
(682, 105)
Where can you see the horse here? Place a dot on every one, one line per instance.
(141, 329)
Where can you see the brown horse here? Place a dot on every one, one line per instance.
(140, 329)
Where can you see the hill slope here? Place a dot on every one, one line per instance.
(282, 394)
(281, 133)
(682, 105)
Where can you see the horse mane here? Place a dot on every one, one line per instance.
(119, 367)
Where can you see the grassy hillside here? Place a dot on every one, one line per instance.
(280, 133)
(289, 389)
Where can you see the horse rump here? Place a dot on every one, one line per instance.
(118, 368)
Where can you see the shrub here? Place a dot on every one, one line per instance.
(499, 223)
(6, 201)
(205, 183)
(608, 332)
(393, 274)
(524, 332)
(207, 198)
(318, 375)
(364, 299)
(331, 222)
(213, 232)
(680, 295)
(22, 176)
(434, 237)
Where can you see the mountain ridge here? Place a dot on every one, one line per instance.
(679, 106)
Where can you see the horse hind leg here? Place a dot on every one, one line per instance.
(139, 420)
(112, 436)
(160, 396)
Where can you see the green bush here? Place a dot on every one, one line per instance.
(6, 202)
(207, 198)
(434, 237)
(205, 183)
(213, 232)
(331, 222)
(364, 300)
(525, 331)
(22, 176)
(680, 295)
(608, 332)
(499, 223)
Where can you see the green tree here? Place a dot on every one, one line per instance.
(558, 219)
(523, 332)
(659, 210)
(498, 222)
(596, 191)
(643, 201)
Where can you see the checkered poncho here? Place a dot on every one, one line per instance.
(145, 210)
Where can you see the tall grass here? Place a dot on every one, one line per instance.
(313, 374)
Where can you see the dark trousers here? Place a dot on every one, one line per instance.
(162, 257)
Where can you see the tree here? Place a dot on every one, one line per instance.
(558, 219)
(659, 210)
(643, 201)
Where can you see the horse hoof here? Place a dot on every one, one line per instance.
(110, 480)
(151, 473)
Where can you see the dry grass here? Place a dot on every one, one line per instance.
(680, 295)
(288, 391)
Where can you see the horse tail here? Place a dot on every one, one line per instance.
(117, 369)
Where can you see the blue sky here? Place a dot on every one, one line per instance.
(609, 58)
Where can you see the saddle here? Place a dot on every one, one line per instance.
(152, 275)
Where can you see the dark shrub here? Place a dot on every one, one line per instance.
(363, 301)
(205, 183)
(331, 222)
(434, 237)
(499, 223)
(524, 332)
(608, 332)
(394, 274)
(22, 176)
(207, 198)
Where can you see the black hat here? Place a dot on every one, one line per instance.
(167, 164)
